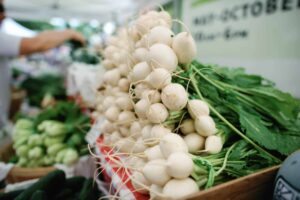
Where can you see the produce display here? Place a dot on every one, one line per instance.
(55, 186)
(56, 135)
(185, 126)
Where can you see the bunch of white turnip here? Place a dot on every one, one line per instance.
(137, 97)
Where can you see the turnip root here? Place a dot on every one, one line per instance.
(107, 139)
(159, 131)
(179, 188)
(124, 103)
(160, 34)
(153, 153)
(195, 142)
(187, 126)
(135, 162)
(140, 71)
(180, 165)
(155, 192)
(146, 132)
(107, 102)
(139, 146)
(107, 127)
(159, 78)
(140, 54)
(141, 108)
(185, 47)
(115, 136)
(135, 129)
(155, 171)
(139, 89)
(172, 143)
(162, 56)
(124, 131)
(124, 84)
(205, 125)
(126, 118)
(139, 182)
(109, 51)
(125, 145)
(112, 113)
(108, 64)
(213, 144)
(157, 113)
(124, 69)
(112, 77)
(174, 97)
(153, 96)
(166, 17)
(197, 108)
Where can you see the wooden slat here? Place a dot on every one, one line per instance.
(258, 186)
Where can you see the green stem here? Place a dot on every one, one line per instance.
(225, 160)
(231, 126)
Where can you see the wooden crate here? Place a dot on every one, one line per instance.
(257, 186)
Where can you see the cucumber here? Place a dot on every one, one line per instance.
(51, 184)
(39, 195)
(64, 194)
(88, 191)
(10, 195)
(75, 183)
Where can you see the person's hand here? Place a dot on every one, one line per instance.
(74, 35)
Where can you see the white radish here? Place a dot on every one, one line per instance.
(140, 71)
(172, 143)
(136, 129)
(160, 34)
(180, 188)
(124, 102)
(109, 51)
(108, 64)
(155, 192)
(146, 132)
(140, 54)
(155, 171)
(197, 108)
(112, 113)
(139, 146)
(157, 113)
(205, 125)
(115, 136)
(187, 126)
(153, 96)
(185, 48)
(124, 69)
(124, 131)
(139, 89)
(139, 182)
(195, 142)
(213, 144)
(166, 17)
(162, 56)
(159, 78)
(141, 108)
(107, 127)
(125, 145)
(174, 97)
(153, 153)
(124, 84)
(159, 131)
(126, 118)
(180, 165)
(112, 77)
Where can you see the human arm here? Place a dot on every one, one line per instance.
(48, 40)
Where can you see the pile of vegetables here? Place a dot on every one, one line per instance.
(56, 135)
(46, 85)
(55, 186)
(185, 126)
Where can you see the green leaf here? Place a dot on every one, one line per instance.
(280, 142)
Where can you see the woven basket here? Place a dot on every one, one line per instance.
(19, 174)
